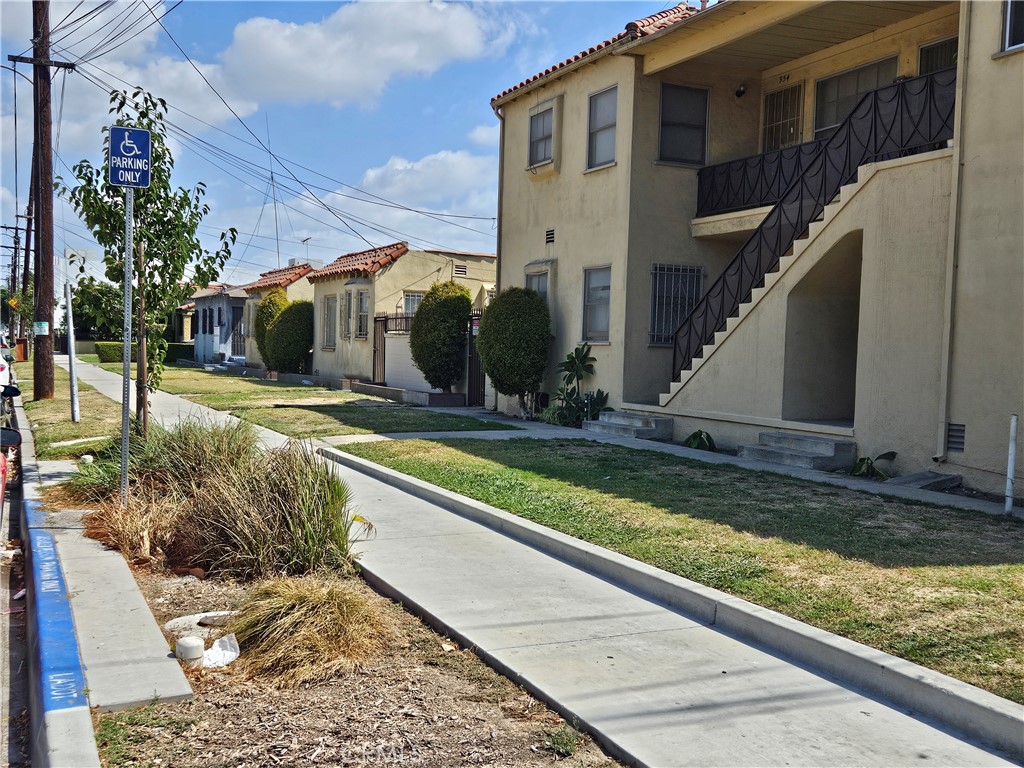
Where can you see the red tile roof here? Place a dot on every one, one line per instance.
(371, 261)
(281, 277)
(470, 254)
(633, 31)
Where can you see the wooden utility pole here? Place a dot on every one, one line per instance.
(28, 249)
(42, 366)
(42, 179)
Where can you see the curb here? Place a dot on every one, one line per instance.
(964, 708)
(62, 732)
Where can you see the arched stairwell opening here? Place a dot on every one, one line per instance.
(903, 118)
(822, 320)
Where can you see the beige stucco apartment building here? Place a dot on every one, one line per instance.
(392, 279)
(290, 279)
(663, 191)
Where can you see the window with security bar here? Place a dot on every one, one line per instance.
(329, 322)
(346, 315)
(411, 302)
(363, 316)
(675, 290)
(937, 56)
(783, 118)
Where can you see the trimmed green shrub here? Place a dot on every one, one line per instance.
(515, 333)
(437, 338)
(290, 338)
(112, 351)
(267, 310)
(180, 351)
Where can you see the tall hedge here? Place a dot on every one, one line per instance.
(437, 338)
(267, 310)
(289, 338)
(515, 333)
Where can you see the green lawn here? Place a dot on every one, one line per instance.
(302, 411)
(100, 416)
(941, 587)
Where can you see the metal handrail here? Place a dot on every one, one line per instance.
(891, 121)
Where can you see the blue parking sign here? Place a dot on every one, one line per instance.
(128, 159)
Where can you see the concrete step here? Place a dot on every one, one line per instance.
(621, 430)
(791, 457)
(642, 425)
(844, 450)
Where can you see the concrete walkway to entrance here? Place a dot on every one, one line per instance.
(656, 685)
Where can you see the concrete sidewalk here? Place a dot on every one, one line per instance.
(657, 685)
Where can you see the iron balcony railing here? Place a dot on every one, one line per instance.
(752, 182)
(911, 115)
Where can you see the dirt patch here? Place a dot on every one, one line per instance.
(426, 703)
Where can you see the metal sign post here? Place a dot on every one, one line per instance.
(128, 165)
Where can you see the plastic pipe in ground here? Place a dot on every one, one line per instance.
(1011, 461)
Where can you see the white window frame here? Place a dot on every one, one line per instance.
(1011, 9)
(536, 275)
(588, 335)
(413, 296)
(329, 322)
(592, 131)
(362, 314)
(346, 317)
(799, 119)
(661, 124)
(549, 137)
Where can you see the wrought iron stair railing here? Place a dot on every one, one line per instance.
(895, 120)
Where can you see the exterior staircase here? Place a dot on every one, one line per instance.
(913, 115)
(807, 451)
(625, 424)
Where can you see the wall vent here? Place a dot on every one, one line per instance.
(956, 437)
(549, 236)
(461, 270)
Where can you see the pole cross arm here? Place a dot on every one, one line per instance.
(42, 62)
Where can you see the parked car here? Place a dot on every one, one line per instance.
(6, 363)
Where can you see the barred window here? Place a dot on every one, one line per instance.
(329, 322)
(937, 56)
(675, 290)
(363, 317)
(783, 118)
(412, 301)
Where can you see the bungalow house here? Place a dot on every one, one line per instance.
(218, 312)
(791, 224)
(290, 280)
(391, 280)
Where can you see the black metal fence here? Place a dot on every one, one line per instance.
(901, 118)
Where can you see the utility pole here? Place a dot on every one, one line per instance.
(42, 380)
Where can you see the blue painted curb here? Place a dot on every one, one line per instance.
(61, 723)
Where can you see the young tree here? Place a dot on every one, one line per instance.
(169, 256)
(437, 338)
(515, 333)
(98, 308)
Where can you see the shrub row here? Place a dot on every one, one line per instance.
(112, 351)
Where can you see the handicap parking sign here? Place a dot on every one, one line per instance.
(128, 159)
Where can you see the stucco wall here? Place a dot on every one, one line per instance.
(663, 201)
(588, 211)
(901, 211)
(414, 271)
(987, 371)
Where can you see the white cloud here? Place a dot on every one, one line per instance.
(485, 135)
(352, 54)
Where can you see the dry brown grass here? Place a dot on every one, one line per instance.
(298, 631)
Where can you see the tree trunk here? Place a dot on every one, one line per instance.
(141, 372)
(523, 410)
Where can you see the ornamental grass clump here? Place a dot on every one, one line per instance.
(209, 495)
(299, 631)
(286, 514)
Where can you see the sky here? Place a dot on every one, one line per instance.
(376, 114)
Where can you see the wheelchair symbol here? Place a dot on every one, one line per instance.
(128, 148)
